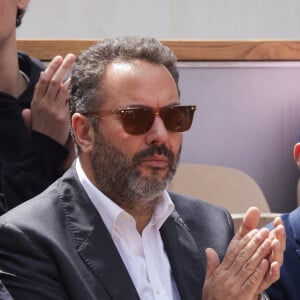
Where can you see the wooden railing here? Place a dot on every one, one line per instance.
(185, 50)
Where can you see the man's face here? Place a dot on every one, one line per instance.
(142, 164)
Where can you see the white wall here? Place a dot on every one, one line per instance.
(163, 19)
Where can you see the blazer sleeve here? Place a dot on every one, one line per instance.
(21, 261)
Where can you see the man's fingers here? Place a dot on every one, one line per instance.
(245, 268)
(64, 68)
(212, 261)
(271, 276)
(246, 254)
(280, 232)
(67, 83)
(45, 77)
(53, 66)
(52, 79)
(252, 261)
(278, 237)
(253, 283)
(56, 82)
(250, 221)
(244, 234)
(62, 96)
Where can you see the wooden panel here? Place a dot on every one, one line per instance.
(185, 50)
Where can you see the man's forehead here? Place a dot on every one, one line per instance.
(121, 65)
(134, 67)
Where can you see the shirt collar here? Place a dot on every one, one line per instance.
(110, 211)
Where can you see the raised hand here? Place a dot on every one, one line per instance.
(49, 107)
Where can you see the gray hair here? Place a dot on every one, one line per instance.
(85, 87)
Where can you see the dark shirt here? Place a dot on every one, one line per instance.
(29, 161)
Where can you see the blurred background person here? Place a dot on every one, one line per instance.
(287, 287)
(34, 128)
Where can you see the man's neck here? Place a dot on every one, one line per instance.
(142, 212)
(140, 209)
(11, 81)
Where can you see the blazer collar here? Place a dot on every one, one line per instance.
(187, 261)
(93, 241)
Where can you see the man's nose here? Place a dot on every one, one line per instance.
(158, 132)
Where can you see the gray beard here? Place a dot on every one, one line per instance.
(119, 179)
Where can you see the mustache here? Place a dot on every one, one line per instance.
(160, 150)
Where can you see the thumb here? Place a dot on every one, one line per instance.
(250, 221)
(26, 114)
(212, 261)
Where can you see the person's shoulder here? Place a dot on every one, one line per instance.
(47, 205)
(31, 67)
(28, 63)
(291, 223)
(294, 213)
(292, 219)
(32, 209)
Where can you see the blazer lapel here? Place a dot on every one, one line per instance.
(101, 255)
(187, 261)
(94, 243)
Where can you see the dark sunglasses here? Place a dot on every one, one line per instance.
(138, 120)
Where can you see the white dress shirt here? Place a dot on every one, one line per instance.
(143, 255)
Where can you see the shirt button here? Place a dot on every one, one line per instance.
(157, 291)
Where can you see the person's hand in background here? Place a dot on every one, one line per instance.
(49, 113)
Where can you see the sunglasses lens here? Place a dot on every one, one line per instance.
(137, 120)
(178, 118)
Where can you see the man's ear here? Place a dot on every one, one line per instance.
(296, 153)
(84, 132)
(22, 4)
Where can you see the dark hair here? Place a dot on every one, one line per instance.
(89, 68)
(20, 14)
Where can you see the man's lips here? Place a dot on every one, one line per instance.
(156, 161)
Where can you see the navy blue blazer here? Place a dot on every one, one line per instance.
(288, 286)
(57, 246)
